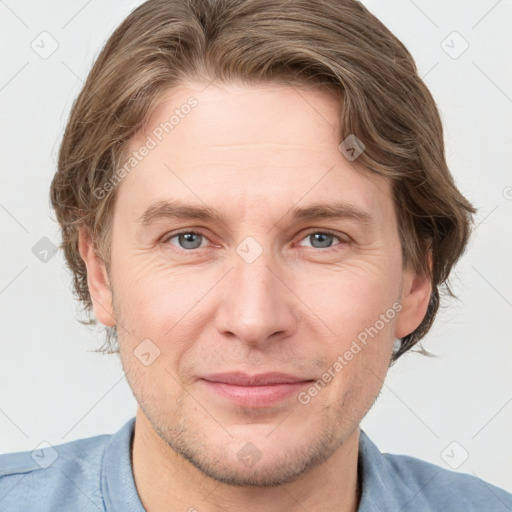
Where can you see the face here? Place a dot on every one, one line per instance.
(245, 242)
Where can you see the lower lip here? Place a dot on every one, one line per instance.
(256, 396)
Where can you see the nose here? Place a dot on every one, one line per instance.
(256, 306)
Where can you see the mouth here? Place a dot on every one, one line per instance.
(262, 390)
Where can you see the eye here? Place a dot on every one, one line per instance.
(190, 240)
(187, 240)
(323, 239)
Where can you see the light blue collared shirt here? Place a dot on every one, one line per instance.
(95, 474)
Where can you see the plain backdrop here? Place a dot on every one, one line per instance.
(454, 410)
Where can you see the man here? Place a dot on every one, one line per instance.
(255, 203)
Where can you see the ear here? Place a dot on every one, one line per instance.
(97, 280)
(416, 291)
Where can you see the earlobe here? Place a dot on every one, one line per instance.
(97, 280)
(415, 298)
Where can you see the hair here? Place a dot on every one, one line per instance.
(333, 44)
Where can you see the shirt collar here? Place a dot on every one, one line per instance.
(378, 479)
(117, 481)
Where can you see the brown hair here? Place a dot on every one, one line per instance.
(336, 44)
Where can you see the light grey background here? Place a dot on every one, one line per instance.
(443, 410)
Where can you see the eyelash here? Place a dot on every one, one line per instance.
(170, 236)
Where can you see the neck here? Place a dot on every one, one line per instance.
(167, 482)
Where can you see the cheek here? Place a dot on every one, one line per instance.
(164, 305)
(361, 309)
(145, 287)
(352, 298)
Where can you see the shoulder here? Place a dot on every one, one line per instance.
(59, 477)
(437, 486)
(412, 484)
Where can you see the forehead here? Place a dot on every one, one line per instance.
(245, 146)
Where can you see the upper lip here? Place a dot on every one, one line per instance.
(262, 379)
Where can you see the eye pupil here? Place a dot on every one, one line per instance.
(324, 239)
(190, 240)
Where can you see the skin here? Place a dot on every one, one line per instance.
(253, 153)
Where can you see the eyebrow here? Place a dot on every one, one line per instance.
(332, 211)
(177, 210)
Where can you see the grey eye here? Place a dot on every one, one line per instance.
(321, 240)
(189, 240)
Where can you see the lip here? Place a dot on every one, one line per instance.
(262, 390)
